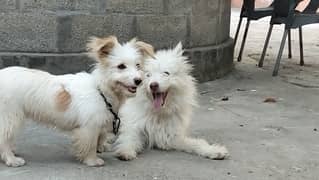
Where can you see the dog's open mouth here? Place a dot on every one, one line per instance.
(159, 99)
(131, 89)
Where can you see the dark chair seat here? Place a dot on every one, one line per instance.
(258, 13)
(285, 13)
(304, 19)
(301, 19)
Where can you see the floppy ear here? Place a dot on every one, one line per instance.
(179, 49)
(145, 49)
(99, 48)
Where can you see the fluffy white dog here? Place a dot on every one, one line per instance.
(73, 102)
(159, 115)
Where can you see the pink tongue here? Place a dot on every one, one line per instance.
(158, 101)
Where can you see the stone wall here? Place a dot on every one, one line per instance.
(51, 34)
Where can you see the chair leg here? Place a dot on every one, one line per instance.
(237, 31)
(281, 49)
(261, 61)
(243, 42)
(301, 47)
(289, 44)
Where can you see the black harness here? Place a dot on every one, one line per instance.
(116, 119)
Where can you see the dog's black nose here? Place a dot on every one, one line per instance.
(154, 86)
(137, 81)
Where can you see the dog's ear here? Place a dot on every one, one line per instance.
(179, 49)
(108, 45)
(133, 40)
(100, 48)
(145, 48)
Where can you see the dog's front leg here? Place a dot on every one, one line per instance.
(200, 147)
(105, 141)
(129, 143)
(85, 141)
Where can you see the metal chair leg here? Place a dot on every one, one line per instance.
(243, 42)
(301, 47)
(261, 61)
(237, 31)
(289, 44)
(281, 49)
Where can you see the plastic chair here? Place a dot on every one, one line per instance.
(285, 13)
(249, 11)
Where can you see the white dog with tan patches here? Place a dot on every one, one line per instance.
(160, 114)
(73, 102)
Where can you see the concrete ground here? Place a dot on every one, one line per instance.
(277, 140)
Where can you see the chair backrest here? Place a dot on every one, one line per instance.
(283, 7)
(312, 7)
(285, 12)
(249, 5)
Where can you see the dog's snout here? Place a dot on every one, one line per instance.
(154, 86)
(137, 81)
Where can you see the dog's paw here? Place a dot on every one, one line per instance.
(217, 152)
(15, 162)
(126, 155)
(104, 147)
(94, 162)
(106, 144)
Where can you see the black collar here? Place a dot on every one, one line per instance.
(116, 119)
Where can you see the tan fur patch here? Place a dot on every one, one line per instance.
(63, 100)
(106, 49)
(101, 47)
(146, 49)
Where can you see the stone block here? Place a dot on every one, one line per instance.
(178, 7)
(27, 32)
(225, 55)
(38, 5)
(162, 31)
(223, 27)
(6, 5)
(203, 30)
(135, 6)
(74, 30)
(53, 63)
(67, 64)
(211, 62)
(93, 6)
(205, 7)
(199, 64)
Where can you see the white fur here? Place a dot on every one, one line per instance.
(27, 93)
(144, 126)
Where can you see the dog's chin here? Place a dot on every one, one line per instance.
(129, 91)
(158, 99)
(130, 94)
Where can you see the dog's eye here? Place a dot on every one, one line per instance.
(138, 66)
(121, 66)
(148, 74)
(166, 73)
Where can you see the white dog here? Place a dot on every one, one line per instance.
(74, 102)
(160, 114)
